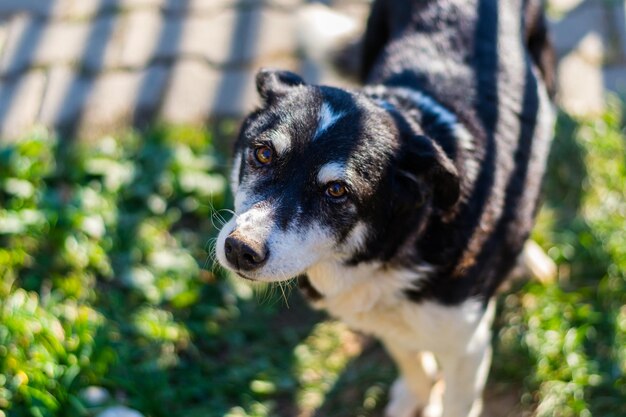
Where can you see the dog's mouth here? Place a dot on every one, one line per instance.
(260, 276)
(244, 276)
(257, 252)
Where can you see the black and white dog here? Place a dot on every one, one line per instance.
(402, 206)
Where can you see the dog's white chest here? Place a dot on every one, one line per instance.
(375, 304)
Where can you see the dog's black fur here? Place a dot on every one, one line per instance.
(408, 201)
(403, 39)
(475, 244)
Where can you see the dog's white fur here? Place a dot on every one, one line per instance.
(327, 118)
(281, 142)
(292, 250)
(428, 341)
(370, 299)
(332, 171)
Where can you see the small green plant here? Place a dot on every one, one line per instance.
(99, 254)
(106, 280)
(572, 334)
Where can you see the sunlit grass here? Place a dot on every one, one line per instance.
(568, 338)
(107, 279)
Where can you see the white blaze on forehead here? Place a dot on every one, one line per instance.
(234, 173)
(332, 171)
(327, 118)
(281, 142)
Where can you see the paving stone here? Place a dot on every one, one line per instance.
(82, 9)
(189, 93)
(219, 39)
(89, 8)
(4, 34)
(290, 63)
(19, 104)
(134, 39)
(198, 6)
(140, 40)
(276, 35)
(235, 93)
(589, 17)
(23, 33)
(118, 97)
(54, 107)
(580, 85)
(233, 37)
(37, 7)
(341, 3)
(563, 6)
(104, 44)
(91, 45)
(112, 99)
(90, 100)
(215, 5)
(618, 13)
(202, 37)
(71, 94)
(240, 35)
(73, 98)
(154, 81)
(133, 4)
(68, 9)
(273, 3)
(615, 79)
(60, 43)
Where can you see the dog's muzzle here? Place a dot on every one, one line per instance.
(244, 254)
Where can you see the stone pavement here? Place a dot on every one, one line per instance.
(91, 66)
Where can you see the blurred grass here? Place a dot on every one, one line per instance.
(106, 281)
(567, 341)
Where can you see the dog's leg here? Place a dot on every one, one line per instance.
(411, 391)
(464, 378)
(465, 373)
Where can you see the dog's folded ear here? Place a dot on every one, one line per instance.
(422, 163)
(272, 84)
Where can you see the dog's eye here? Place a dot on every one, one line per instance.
(263, 155)
(336, 190)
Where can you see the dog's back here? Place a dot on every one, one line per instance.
(489, 62)
(402, 206)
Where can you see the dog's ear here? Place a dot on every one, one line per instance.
(272, 84)
(423, 164)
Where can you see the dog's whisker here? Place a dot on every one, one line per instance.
(216, 218)
(227, 210)
(282, 290)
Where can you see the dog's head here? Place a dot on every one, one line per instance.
(322, 174)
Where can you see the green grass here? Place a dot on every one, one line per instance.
(106, 280)
(571, 335)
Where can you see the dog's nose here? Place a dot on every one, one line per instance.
(244, 254)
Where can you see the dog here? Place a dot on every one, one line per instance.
(401, 206)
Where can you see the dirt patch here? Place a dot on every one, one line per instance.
(501, 401)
